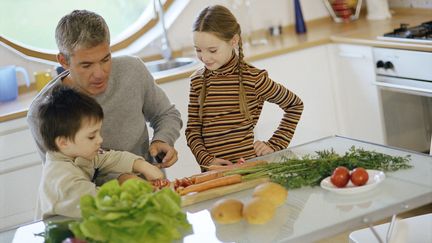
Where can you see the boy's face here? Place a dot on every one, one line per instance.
(211, 50)
(89, 68)
(87, 141)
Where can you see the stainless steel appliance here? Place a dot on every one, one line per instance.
(418, 34)
(404, 78)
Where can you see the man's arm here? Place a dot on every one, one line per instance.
(162, 115)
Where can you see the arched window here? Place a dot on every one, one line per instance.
(29, 26)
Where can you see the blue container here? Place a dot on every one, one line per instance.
(299, 21)
(8, 82)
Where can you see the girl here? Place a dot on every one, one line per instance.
(227, 95)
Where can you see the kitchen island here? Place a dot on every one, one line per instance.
(309, 214)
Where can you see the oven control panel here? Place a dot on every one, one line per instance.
(403, 63)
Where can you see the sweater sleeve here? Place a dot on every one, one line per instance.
(193, 130)
(163, 117)
(116, 161)
(289, 102)
(60, 192)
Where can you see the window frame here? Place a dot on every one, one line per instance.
(49, 56)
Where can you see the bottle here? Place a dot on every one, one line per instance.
(299, 21)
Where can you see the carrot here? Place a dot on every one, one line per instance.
(218, 182)
(210, 175)
(223, 168)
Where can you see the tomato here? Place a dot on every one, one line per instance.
(340, 176)
(359, 176)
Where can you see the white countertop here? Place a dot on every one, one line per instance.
(310, 213)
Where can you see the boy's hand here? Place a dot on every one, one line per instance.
(127, 176)
(159, 147)
(149, 171)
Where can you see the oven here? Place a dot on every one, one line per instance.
(404, 79)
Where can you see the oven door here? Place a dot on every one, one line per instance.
(409, 86)
(407, 112)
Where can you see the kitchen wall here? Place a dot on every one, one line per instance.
(9, 56)
(260, 15)
(410, 3)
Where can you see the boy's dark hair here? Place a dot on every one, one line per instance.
(63, 112)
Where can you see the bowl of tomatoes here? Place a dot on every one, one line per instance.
(344, 181)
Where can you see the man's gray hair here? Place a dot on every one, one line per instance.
(80, 29)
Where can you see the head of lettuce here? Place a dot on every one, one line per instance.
(131, 212)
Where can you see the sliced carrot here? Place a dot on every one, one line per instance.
(218, 182)
(210, 175)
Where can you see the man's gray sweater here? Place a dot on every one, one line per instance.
(131, 100)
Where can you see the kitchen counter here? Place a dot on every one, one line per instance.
(321, 31)
(300, 219)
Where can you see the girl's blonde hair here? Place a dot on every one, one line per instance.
(219, 21)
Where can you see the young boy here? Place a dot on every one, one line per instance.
(70, 126)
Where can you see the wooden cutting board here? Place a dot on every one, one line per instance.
(220, 191)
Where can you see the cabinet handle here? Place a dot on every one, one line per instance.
(351, 55)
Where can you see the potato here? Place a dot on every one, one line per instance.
(274, 192)
(227, 211)
(259, 211)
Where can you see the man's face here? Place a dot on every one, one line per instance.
(89, 68)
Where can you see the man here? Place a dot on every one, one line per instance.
(121, 85)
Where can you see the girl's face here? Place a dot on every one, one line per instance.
(87, 141)
(211, 50)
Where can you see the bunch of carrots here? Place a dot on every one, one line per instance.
(214, 177)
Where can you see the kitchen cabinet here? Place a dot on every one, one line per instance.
(357, 98)
(178, 93)
(20, 173)
(306, 73)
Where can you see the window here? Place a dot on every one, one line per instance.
(29, 26)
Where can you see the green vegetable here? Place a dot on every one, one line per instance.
(131, 212)
(310, 170)
(56, 232)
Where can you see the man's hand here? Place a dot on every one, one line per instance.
(262, 149)
(160, 147)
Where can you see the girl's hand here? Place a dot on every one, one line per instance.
(217, 161)
(262, 149)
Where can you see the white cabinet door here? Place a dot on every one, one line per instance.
(20, 172)
(358, 105)
(178, 93)
(306, 73)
